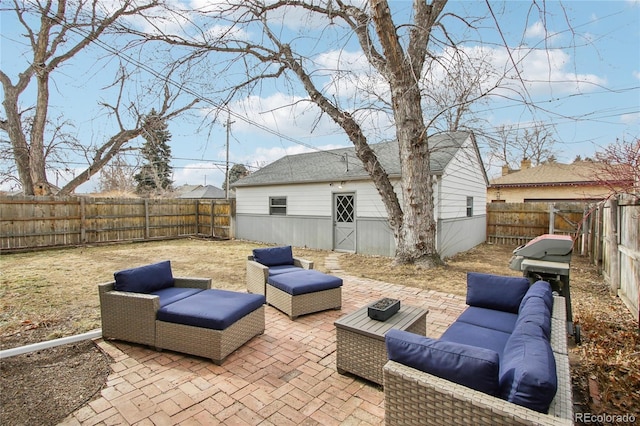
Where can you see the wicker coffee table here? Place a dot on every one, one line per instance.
(360, 342)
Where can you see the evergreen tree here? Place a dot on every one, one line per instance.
(236, 172)
(155, 174)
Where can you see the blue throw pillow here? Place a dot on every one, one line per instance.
(274, 256)
(496, 292)
(145, 279)
(470, 366)
(528, 369)
(541, 289)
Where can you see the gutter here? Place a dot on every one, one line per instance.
(50, 343)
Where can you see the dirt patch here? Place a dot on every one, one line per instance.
(52, 294)
(43, 387)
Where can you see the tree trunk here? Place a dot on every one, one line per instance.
(416, 233)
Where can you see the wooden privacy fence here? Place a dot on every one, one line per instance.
(45, 222)
(607, 232)
(518, 223)
(620, 232)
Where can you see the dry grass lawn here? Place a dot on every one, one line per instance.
(50, 294)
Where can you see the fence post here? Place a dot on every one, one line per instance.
(612, 245)
(552, 218)
(197, 205)
(146, 219)
(213, 219)
(83, 222)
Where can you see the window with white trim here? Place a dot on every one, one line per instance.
(278, 206)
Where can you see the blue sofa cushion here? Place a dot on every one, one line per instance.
(145, 279)
(528, 369)
(283, 269)
(214, 309)
(470, 366)
(304, 281)
(274, 256)
(489, 318)
(541, 289)
(173, 294)
(536, 311)
(496, 292)
(475, 335)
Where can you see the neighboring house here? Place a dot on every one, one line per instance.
(200, 191)
(550, 182)
(326, 200)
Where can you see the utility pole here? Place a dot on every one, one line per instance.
(226, 186)
(226, 173)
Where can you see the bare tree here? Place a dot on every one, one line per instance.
(64, 29)
(464, 79)
(510, 145)
(620, 167)
(395, 57)
(117, 175)
(398, 59)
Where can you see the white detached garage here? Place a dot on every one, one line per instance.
(326, 200)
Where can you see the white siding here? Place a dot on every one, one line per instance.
(302, 200)
(368, 200)
(462, 178)
(314, 199)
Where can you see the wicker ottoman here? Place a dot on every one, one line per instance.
(210, 324)
(304, 292)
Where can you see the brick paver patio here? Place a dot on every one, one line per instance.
(287, 376)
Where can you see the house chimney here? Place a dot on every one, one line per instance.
(505, 170)
(525, 164)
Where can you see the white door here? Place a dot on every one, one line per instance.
(344, 222)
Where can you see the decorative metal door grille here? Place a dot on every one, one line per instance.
(344, 208)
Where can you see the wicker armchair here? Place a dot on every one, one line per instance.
(413, 397)
(131, 316)
(258, 274)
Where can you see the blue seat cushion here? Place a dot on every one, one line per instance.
(536, 311)
(173, 294)
(283, 269)
(475, 335)
(528, 369)
(145, 279)
(489, 318)
(495, 291)
(274, 256)
(541, 289)
(304, 281)
(214, 309)
(470, 366)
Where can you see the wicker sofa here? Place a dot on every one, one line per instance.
(466, 378)
(147, 305)
(271, 261)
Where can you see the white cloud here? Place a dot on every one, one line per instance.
(292, 116)
(537, 30)
(264, 156)
(199, 174)
(543, 71)
(539, 35)
(630, 119)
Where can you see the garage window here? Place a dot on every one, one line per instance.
(278, 206)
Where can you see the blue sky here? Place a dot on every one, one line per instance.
(586, 83)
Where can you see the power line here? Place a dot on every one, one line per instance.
(129, 59)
